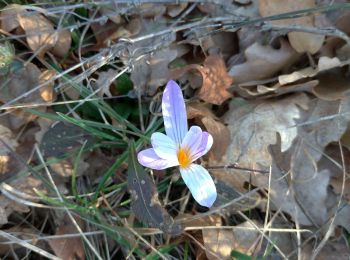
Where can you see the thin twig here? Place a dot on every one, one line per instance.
(234, 166)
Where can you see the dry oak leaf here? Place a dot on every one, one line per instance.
(40, 33)
(300, 41)
(68, 248)
(263, 62)
(253, 127)
(216, 80)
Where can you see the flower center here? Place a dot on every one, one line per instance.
(183, 157)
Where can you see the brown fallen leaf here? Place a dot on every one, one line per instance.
(176, 9)
(216, 80)
(220, 134)
(154, 68)
(21, 81)
(102, 34)
(198, 110)
(253, 127)
(300, 41)
(113, 29)
(64, 168)
(263, 62)
(219, 242)
(333, 85)
(324, 63)
(8, 17)
(245, 241)
(308, 150)
(47, 92)
(63, 44)
(337, 173)
(40, 33)
(71, 248)
(112, 11)
(263, 91)
(17, 84)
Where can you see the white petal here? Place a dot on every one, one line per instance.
(164, 146)
(204, 147)
(192, 140)
(200, 184)
(174, 112)
(150, 159)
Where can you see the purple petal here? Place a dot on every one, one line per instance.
(164, 146)
(200, 184)
(204, 147)
(150, 159)
(174, 112)
(192, 140)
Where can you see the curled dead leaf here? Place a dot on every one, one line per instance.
(263, 91)
(324, 63)
(333, 86)
(263, 62)
(300, 41)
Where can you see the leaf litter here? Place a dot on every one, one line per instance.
(266, 79)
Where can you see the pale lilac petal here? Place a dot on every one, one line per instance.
(200, 184)
(164, 146)
(204, 147)
(150, 159)
(174, 112)
(192, 140)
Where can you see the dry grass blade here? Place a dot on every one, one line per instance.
(28, 245)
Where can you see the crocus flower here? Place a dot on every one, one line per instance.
(181, 147)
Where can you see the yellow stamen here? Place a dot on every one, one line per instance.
(183, 157)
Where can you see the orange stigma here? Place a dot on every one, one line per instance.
(183, 157)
